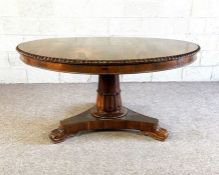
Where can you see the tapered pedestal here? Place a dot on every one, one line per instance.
(108, 114)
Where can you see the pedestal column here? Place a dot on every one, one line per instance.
(108, 114)
(108, 103)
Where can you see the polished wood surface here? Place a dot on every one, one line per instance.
(108, 114)
(109, 102)
(108, 57)
(85, 121)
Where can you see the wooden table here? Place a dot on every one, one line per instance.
(108, 57)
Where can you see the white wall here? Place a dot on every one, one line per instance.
(192, 20)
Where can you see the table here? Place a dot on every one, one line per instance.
(108, 57)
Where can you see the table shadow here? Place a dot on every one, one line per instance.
(35, 130)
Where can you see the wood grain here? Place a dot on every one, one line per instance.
(107, 55)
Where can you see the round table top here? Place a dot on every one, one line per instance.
(111, 55)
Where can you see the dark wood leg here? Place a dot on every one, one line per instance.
(108, 114)
(109, 102)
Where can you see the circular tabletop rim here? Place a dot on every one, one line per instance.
(107, 62)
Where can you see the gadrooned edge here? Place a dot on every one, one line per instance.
(106, 62)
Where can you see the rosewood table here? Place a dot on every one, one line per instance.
(108, 57)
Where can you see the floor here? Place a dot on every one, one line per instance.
(190, 111)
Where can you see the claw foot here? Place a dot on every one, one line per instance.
(57, 135)
(160, 134)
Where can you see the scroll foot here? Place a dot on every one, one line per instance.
(58, 135)
(160, 134)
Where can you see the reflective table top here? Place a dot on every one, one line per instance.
(107, 50)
